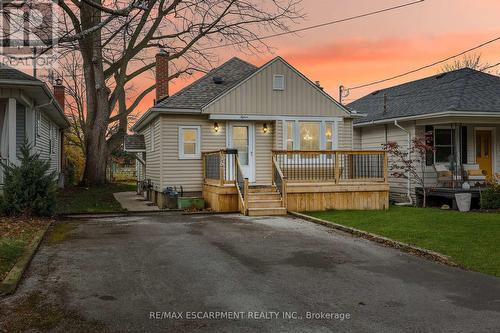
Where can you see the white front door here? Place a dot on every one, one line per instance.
(241, 136)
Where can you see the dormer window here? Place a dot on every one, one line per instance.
(278, 82)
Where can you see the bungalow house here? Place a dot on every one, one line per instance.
(30, 111)
(459, 114)
(260, 140)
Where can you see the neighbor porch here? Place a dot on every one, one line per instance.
(301, 181)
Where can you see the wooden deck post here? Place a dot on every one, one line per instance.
(245, 195)
(221, 168)
(386, 168)
(337, 167)
(203, 165)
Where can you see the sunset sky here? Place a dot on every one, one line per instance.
(379, 46)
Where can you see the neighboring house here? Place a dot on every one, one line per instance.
(458, 111)
(274, 118)
(30, 111)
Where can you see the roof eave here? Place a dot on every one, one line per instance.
(448, 113)
(153, 112)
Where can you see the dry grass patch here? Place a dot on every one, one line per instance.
(15, 235)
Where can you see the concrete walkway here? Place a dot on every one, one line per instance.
(134, 203)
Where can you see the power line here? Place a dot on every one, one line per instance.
(426, 66)
(317, 25)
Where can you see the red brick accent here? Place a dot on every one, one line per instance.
(161, 75)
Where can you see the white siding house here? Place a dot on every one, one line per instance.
(29, 111)
(458, 112)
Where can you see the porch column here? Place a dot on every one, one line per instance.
(11, 118)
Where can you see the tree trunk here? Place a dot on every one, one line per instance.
(97, 98)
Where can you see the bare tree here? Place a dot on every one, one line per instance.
(472, 61)
(114, 43)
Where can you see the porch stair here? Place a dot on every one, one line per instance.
(265, 200)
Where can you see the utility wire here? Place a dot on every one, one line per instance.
(316, 26)
(426, 66)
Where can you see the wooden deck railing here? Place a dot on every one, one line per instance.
(222, 167)
(279, 180)
(242, 185)
(217, 166)
(338, 166)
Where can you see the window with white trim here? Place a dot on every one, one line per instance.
(189, 142)
(290, 134)
(444, 145)
(52, 138)
(329, 135)
(310, 135)
(278, 82)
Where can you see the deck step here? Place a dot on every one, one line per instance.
(266, 211)
(261, 189)
(264, 203)
(264, 196)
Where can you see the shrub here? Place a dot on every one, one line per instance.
(29, 188)
(490, 198)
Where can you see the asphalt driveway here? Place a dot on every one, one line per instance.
(169, 272)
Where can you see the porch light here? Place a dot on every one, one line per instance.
(216, 127)
(264, 128)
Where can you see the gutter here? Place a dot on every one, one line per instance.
(408, 185)
(469, 114)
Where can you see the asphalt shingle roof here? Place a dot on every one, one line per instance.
(134, 142)
(460, 90)
(204, 90)
(9, 73)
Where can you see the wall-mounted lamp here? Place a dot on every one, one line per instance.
(216, 127)
(265, 129)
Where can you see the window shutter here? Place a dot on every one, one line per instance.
(429, 139)
(463, 153)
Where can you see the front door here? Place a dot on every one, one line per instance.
(484, 151)
(241, 137)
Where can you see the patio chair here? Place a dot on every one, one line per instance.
(444, 175)
(497, 178)
(474, 174)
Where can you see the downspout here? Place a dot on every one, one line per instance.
(408, 185)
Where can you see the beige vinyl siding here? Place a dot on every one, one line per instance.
(186, 173)
(153, 157)
(263, 153)
(256, 96)
(345, 134)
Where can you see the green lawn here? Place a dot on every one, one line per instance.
(91, 199)
(470, 239)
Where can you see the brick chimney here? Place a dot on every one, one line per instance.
(59, 93)
(161, 75)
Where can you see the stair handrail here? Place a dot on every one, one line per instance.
(241, 183)
(279, 180)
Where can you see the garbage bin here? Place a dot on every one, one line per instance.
(171, 196)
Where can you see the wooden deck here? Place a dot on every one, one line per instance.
(302, 181)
